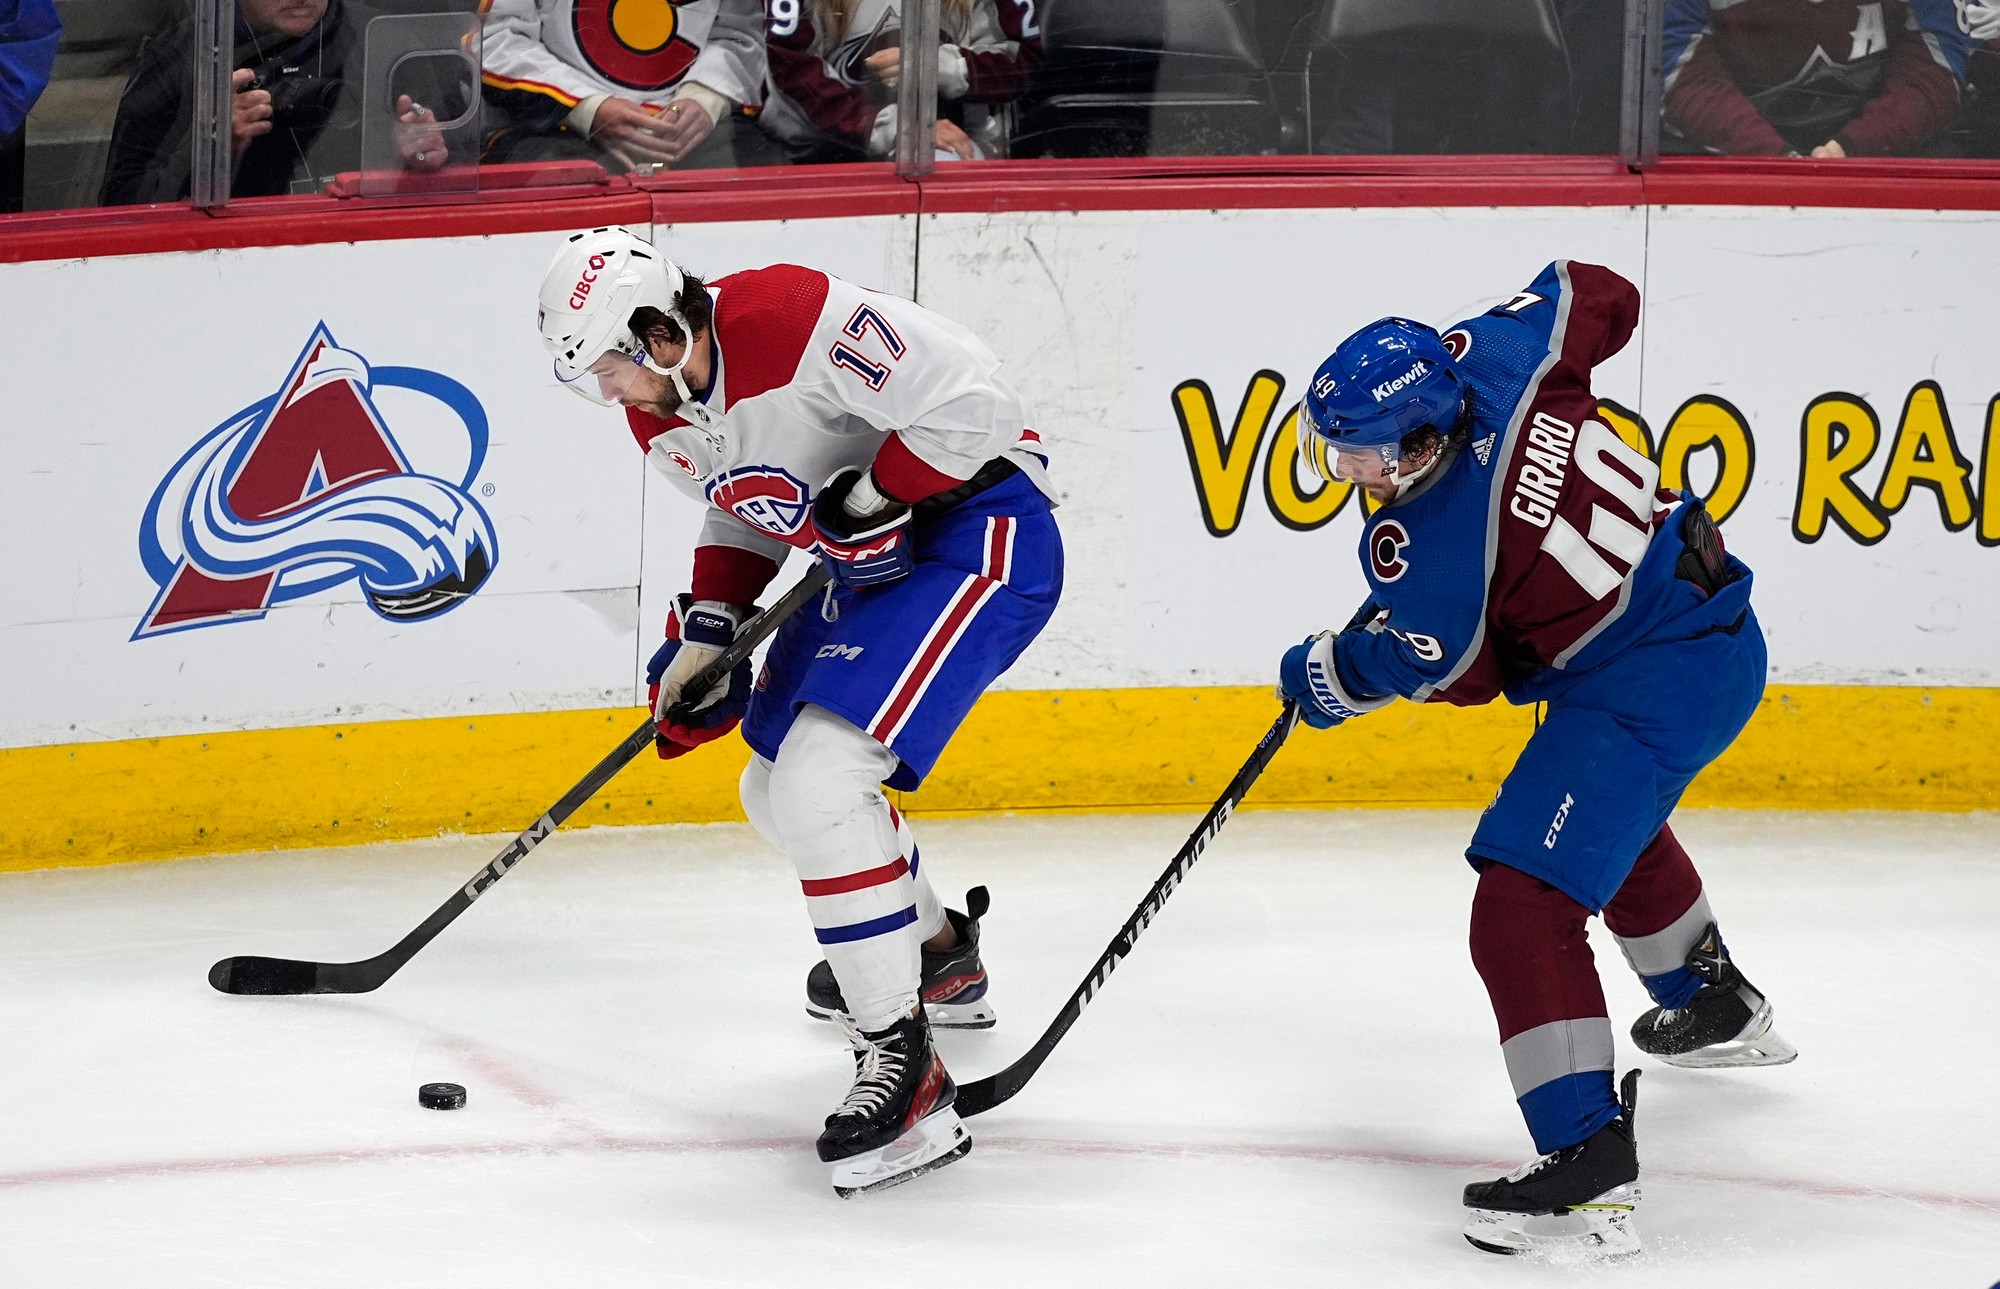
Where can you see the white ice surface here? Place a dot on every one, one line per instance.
(1287, 1083)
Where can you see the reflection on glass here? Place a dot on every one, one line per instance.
(1816, 78)
(420, 104)
(30, 32)
(298, 110)
(1333, 77)
(60, 161)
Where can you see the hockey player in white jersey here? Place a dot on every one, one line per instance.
(810, 414)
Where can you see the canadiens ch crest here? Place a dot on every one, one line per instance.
(309, 489)
(766, 498)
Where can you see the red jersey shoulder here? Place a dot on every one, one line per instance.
(763, 320)
(646, 427)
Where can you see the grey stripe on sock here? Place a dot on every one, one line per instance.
(1560, 1047)
(1662, 951)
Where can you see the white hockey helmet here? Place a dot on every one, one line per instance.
(598, 277)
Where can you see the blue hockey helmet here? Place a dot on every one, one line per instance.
(1387, 379)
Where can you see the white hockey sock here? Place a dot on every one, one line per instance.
(826, 810)
(930, 913)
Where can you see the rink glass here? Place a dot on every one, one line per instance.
(1097, 79)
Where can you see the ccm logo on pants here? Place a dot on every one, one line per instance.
(849, 652)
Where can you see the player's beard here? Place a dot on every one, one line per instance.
(668, 404)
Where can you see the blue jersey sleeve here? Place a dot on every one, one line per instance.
(1376, 660)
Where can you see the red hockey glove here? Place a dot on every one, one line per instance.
(697, 633)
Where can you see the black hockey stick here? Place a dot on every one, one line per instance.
(982, 1095)
(254, 975)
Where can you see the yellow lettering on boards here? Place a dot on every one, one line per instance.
(1702, 421)
(1989, 479)
(1221, 468)
(1925, 453)
(1837, 436)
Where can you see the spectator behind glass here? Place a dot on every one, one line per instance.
(834, 65)
(644, 82)
(29, 31)
(1822, 78)
(1982, 23)
(296, 114)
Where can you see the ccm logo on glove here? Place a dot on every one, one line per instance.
(863, 537)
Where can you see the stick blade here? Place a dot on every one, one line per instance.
(254, 975)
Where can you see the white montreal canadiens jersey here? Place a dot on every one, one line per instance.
(812, 376)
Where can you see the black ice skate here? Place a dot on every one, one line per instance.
(1726, 1023)
(953, 983)
(1580, 1198)
(898, 1121)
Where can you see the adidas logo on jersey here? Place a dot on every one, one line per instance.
(1483, 449)
(1409, 377)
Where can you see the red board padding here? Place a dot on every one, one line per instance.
(301, 221)
(1254, 183)
(586, 198)
(452, 181)
(1867, 185)
(807, 192)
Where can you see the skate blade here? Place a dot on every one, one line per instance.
(979, 1015)
(1758, 1044)
(938, 1139)
(1597, 1230)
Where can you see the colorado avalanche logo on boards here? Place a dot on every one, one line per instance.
(765, 498)
(303, 491)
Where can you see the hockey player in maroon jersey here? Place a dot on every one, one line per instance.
(807, 413)
(1523, 549)
(1820, 78)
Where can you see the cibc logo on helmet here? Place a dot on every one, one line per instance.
(580, 293)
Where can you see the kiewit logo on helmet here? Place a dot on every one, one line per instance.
(581, 292)
(307, 490)
(1409, 377)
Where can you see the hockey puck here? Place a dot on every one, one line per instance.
(441, 1096)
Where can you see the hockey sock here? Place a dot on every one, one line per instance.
(755, 790)
(1529, 944)
(930, 913)
(1657, 915)
(831, 818)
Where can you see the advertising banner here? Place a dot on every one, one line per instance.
(302, 484)
(1814, 375)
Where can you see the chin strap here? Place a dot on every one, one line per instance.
(691, 410)
(1445, 450)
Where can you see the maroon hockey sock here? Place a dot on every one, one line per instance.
(1658, 915)
(1662, 888)
(1529, 944)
